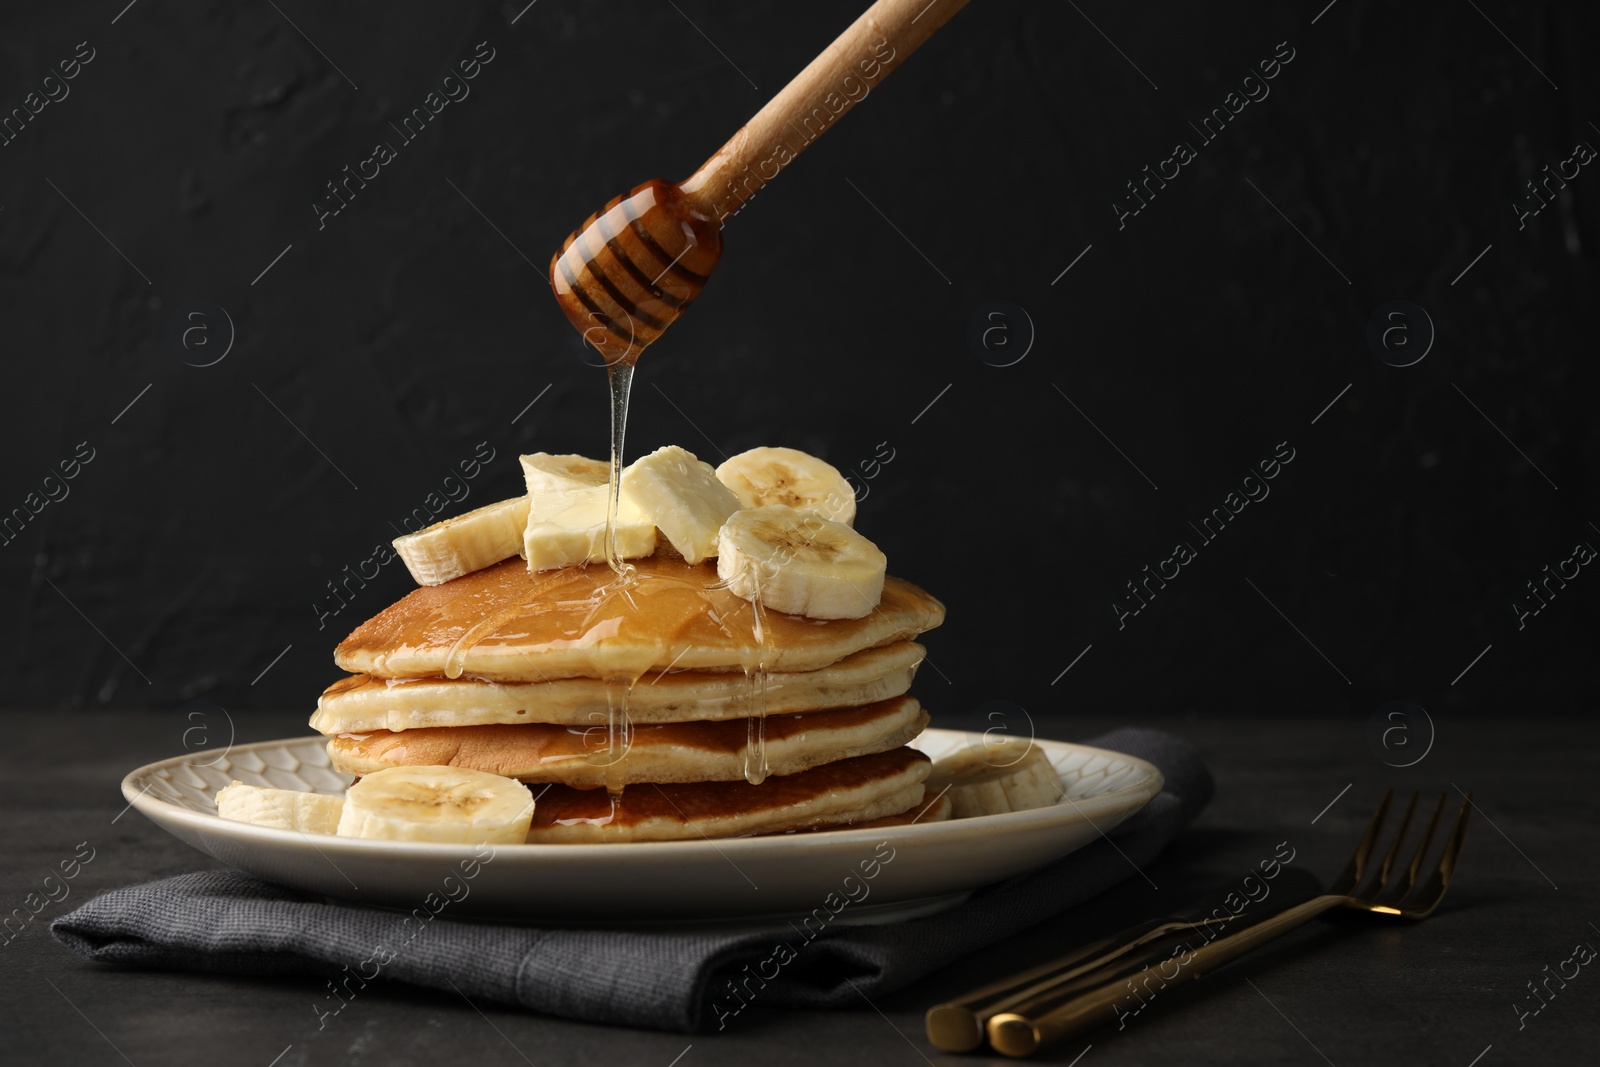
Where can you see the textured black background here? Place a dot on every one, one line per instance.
(193, 548)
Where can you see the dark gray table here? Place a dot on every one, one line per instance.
(1360, 990)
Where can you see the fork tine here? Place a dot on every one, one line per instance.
(1394, 895)
(1458, 837)
(1439, 881)
(1394, 846)
(1357, 866)
(1427, 840)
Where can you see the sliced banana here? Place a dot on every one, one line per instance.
(568, 529)
(683, 497)
(800, 563)
(446, 804)
(466, 543)
(788, 476)
(283, 809)
(995, 777)
(546, 473)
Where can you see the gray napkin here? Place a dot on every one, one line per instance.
(692, 979)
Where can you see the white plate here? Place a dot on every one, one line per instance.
(929, 866)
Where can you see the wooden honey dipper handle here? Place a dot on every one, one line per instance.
(831, 84)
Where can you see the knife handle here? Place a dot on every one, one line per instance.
(958, 1025)
(1099, 997)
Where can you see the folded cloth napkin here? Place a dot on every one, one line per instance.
(688, 979)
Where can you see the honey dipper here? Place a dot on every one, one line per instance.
(637, 263)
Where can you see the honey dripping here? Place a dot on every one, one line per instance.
(611, 754)
(455, 661)
(619, 724)
(637, 264)
(620, 376)
(755, 746)
(663, 249)
(621, 279)
(619, 733)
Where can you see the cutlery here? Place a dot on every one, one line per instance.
(958, 1025)
(1089, 998)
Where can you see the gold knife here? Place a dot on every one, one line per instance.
(959, 1025)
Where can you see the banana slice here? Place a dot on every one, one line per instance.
(283, 809)
(800, 563)
(993, 778)
(765, 476)
(568, 529)
(683, 497)
(465, 543)
(546, 473)
(447, 804)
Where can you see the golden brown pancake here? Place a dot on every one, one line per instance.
(362, 703)
(847, 791)
(931, 808)
(504, 624)
(666, 752)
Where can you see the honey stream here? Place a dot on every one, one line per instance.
(755, 747)
(620, 375)
(619, 687)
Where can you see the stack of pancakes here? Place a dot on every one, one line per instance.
(657, 709)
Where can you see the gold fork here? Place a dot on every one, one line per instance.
(1084, 1001)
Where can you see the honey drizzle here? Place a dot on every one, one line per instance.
(619, 734)
(755, 747)
(620, 374)
(455, 661)
(619, 725)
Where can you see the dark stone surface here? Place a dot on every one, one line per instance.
(1358, 989)
(376, 354)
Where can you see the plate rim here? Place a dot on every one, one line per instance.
(1152, 783)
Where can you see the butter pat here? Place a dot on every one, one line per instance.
(682, 496)
(568, 529)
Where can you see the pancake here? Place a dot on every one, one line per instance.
(847, 791)
(362, 703)
(506, 625)
(667, 752)
(939, 809)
